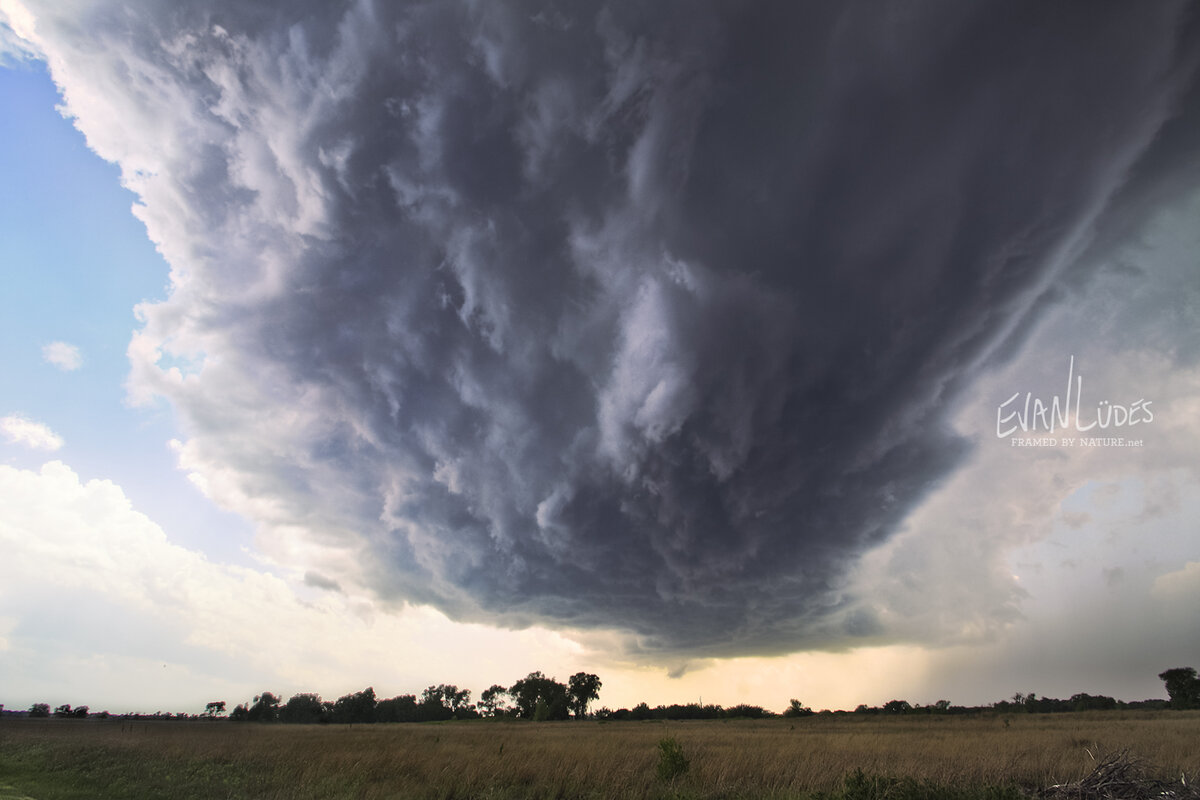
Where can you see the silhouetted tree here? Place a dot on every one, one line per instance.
(39, 710)
(748, 711)
(302, 709)
(240, 713)
(358, 707)
(492, 701)
(215, 708)
(897, 707)
(63, 711)
(398, 709)
(265, 708)
(796, 709)
(540, 698)
(1086, 702)
(1183, 687)
(640, 711)
(583, 689)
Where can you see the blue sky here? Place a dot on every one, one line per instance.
(76, 263)
(518, 344)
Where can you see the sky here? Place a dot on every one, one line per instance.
(734, 351)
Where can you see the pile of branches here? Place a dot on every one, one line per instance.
(1120, 776)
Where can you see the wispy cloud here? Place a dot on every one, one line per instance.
(62, 355)
(24, 431)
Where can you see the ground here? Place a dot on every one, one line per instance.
(859, 756)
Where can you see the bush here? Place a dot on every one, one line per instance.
(671, 761)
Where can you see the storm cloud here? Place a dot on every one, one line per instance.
(645, 316)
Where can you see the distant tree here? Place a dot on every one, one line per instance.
(796, 709)
(1086, 702)
(583, 688)
(397, 709)
(1183, 687)
(215, 708)
(39, 710)
(540, 698)
(240, 713)
(63, 711)
(458, 701)
(265, 708)
(687, 711)
(1147, 705)
(554, 700)
(302, 709)
(432, 706)
(747, 711)
(942, 705)
(640, 711)
(525, 694)
(493, 701)
(358, 707)
(80, 711)
(897, 707)
(437, 703)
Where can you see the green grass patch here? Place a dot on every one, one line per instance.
(68, 772)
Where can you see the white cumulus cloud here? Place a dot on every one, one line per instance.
(16, 33)
(99, 604)
(20, 430)
(62, 355)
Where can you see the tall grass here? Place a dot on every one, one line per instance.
(51, 759)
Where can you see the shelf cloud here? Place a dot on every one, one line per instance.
(648, 317)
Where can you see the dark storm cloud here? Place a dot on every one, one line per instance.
(633, 315)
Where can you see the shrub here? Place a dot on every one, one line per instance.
(671, 761)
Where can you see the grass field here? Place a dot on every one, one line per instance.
(846, 757)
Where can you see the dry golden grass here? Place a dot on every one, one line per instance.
(587, 759)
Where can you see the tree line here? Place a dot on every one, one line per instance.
(534, 697)
(537, 697)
